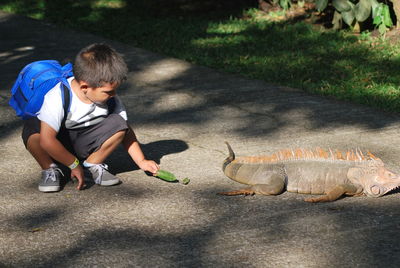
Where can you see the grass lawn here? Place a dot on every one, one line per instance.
(237, 39)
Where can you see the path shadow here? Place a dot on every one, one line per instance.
(120, 161)
(37, 217)
(260, 230)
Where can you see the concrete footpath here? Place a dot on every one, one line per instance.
(182, 114)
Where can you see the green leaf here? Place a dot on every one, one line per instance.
(374, 6)
(342, 5)
(382, 29)
(186, 181)
(337, 20)
(377, 20)
(165, 175)
(321, 4)
(348, 17)
(362, 10)
(377, 11)
(386, 16)
(284, 4)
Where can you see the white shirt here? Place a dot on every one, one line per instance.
(80, 114)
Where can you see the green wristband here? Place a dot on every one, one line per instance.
(75, 164)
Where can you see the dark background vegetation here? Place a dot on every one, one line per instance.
(236, 36)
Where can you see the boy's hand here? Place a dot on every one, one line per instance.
(149, 165)
(78, 174)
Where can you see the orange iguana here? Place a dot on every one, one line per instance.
(329, 174)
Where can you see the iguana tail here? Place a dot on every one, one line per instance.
(230, 158)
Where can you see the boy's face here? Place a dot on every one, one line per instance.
(101, 94)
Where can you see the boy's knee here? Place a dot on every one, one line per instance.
(32, 141)
(31, 127)
(121, 134)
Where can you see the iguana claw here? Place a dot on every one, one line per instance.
(238, 192)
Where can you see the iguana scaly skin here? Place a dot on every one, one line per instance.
(329, 174)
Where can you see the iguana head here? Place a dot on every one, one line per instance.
(375, 180)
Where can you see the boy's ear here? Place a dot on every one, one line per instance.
(83, 85)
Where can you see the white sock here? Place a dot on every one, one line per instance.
(87, 164)
(53, 165)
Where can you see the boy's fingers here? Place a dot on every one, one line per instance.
(155, 169)
(81, 184)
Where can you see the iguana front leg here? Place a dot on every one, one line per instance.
(334, 194)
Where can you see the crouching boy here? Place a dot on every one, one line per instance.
(91, 128)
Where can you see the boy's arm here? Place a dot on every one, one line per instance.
(132, 145)
(50, 143)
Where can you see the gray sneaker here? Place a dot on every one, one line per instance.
(99, 173)
(51, 179)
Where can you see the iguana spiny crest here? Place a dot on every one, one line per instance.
(319, 154)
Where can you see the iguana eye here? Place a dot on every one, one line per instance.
(390, 175)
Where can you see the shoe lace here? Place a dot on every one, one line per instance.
(99, 168)
(51, 173)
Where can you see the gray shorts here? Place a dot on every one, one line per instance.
(81, 142)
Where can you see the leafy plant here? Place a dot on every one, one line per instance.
(285, 4)
(382, 20)
(288, 54)
(353, 13)
(365, 35)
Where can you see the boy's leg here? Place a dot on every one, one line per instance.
(106, 148)
(96, 143)
(51, 174)
(40, 155)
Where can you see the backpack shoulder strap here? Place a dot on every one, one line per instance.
(66, 97)
(66, 71)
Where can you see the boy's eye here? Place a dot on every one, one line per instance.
(111, 93)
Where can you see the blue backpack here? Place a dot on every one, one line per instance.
(34, 81)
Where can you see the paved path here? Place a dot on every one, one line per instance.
(182, 114)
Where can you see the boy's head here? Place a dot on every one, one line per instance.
(99, 64)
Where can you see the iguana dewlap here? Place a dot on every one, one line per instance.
(318, 172)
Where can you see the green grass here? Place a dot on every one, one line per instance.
(328, 63)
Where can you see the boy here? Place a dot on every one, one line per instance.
(91, 129)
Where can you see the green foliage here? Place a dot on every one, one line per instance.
(342, 5)
(285, 4)
(321, 5)
(298, 55)
(362, 10)
(365, 36)
(352, 13)
(382, 18)
(348, 15)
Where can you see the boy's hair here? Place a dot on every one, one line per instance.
(97, 64)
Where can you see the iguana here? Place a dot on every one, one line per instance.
(329, 174)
